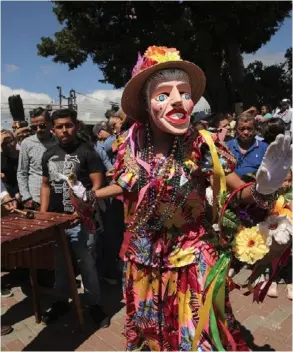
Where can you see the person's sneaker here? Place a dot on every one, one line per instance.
(6, 329)
(6, 293)
(99, 316)
(273, 290)
(289, 291)
(57, 310)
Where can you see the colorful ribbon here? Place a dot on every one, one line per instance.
(219, 179)
(215, 299)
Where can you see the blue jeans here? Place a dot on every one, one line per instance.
(83, 247)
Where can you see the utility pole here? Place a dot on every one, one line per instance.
(60, 95)
(71, 99)
(72, 95)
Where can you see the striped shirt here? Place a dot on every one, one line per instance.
(29, 173)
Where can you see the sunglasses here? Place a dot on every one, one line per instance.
(41, 126)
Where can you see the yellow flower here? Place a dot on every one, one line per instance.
(162, 54)
(182, 257)
(250, 245)
(280, 208)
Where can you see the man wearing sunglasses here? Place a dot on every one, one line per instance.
(29, 173)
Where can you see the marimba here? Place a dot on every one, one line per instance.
(29, 243)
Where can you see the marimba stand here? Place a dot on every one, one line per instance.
(30, 243)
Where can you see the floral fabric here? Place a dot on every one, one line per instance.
(163, 307)
(171, 247)
(165, 270)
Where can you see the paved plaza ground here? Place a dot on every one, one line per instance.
(266, 326)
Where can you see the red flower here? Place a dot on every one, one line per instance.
(147, 63)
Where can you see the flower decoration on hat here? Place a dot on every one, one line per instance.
(155, 55)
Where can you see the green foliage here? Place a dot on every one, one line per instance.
(288, 195)
(230, 220)
(112, 33)
(268, 84)
(223, 198)
(230, 224)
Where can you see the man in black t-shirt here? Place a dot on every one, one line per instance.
(71, 155)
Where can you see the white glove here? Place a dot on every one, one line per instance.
(78, 188)
(275, 165)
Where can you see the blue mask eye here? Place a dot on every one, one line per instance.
(186, 96)
(161, 97)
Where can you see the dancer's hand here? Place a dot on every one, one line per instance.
(275, 165)
(76, 186)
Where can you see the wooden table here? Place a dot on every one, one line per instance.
(30, 243)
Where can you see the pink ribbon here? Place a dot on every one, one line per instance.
(132, 135)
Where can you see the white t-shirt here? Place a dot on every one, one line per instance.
(286, 116)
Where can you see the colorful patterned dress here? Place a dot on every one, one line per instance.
(165, 270)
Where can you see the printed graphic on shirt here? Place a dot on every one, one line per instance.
(62, 167)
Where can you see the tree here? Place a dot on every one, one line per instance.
(267, 84)
(16, 108)
(212, 34)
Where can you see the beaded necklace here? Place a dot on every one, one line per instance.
(143, 219)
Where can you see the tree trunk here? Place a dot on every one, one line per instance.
(216, 91)
(236, 68)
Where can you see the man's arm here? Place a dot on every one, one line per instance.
(45, 194)
(97, 180)
(105, 160)
(95, 169)
(104, 157)
(22, 173)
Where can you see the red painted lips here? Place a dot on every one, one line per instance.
(175, 120)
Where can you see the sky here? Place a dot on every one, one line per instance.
(36, 78)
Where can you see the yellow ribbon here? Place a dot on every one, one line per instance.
(204, 313)
(219, 179)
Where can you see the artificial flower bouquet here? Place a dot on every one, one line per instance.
(251, 241)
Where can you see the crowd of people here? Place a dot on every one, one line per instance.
(34, 175)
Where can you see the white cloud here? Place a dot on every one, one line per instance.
(11, 68)
(27, 98)
(267, 58)
(202, 105)
(93, 106)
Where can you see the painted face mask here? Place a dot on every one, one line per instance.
(171, 106)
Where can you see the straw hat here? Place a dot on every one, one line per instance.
(156, 59)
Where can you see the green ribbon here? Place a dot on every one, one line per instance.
(215, 332)
(222, 261)
(219, 270)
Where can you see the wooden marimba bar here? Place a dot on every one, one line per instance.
(30, 243)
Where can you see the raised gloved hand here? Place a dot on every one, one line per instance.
(275, 165)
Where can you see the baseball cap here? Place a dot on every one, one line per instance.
(99, 126)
